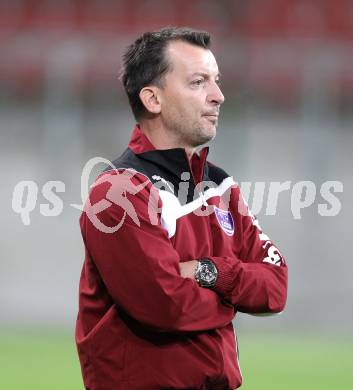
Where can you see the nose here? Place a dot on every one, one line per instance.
(215, 94)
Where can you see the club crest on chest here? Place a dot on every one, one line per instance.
(225, 221)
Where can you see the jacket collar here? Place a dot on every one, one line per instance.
(139, 143)
(175, 160)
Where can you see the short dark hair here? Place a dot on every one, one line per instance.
(145, 63)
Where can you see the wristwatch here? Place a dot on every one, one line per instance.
(206, 273)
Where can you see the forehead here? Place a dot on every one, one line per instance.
(187, 58)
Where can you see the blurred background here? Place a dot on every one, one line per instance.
(287, 74)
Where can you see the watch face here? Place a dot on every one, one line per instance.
(207, 274)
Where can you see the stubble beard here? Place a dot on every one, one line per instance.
(199, 135)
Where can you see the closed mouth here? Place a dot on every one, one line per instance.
(211, 115)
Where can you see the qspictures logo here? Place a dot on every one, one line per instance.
(262, 196)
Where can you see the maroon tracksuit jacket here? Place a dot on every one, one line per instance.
(140, 324)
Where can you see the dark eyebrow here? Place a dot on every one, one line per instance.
(205, 75)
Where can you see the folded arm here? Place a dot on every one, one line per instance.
(140, 268)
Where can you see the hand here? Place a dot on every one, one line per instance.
(188, 268)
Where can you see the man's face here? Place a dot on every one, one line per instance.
(191, 97)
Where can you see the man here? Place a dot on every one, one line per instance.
(172, 251)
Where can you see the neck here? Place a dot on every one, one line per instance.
(161, 138)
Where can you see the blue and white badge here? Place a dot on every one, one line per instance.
(225, 220)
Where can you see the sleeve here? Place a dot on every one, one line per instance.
(138, 264)
(256, 280)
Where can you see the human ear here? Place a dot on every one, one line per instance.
(150, 99)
